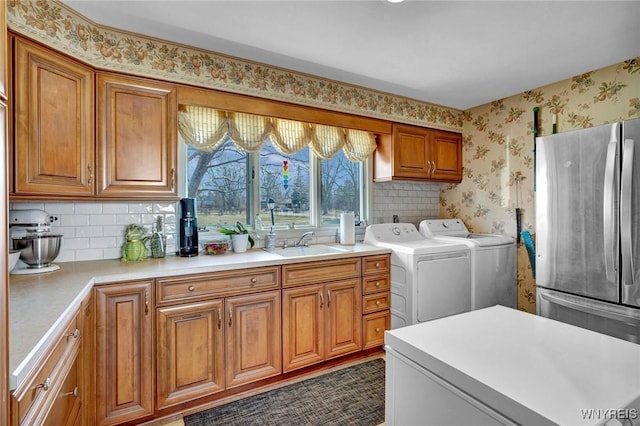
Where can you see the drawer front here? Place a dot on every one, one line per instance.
(376, 302)
(320, 272)
(373, 326)
(66, 407)
(36, 393)
(376, 264)
(375, 284)
(228, 283)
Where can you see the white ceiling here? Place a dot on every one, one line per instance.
(454, 53)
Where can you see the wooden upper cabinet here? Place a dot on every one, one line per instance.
(137, 137)
(4, 59)
(418, 153)
(54, 133)
(446, 154)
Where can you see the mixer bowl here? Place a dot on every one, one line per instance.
(38, 251)
(14, 255)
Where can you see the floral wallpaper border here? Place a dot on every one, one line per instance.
(60, 27)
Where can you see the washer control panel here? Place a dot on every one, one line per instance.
(391, 232)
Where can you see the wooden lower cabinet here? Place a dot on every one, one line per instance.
(320, 322)
(124, 352)
(190, 352)
(50, 395)
(194, 338)
(253, 338)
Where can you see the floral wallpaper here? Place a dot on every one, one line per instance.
(60, 27)
(498, 151)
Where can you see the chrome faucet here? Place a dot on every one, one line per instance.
(302, 240)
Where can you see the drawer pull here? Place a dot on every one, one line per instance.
(74, 392)
(378, 303)
(90, 174)
(75, 334)
(253, 281)
(191, 288)
(377, 265)
(44, 386)
(146, 302)
(230, 315)
(321, 300)
(377, 284)
(329, 298)
(219, 318)
(377, 329)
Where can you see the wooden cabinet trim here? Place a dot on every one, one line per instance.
(218, 284)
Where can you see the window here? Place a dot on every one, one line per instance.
(230, 185)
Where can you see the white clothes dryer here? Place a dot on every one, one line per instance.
(493, 261)
(430, 278)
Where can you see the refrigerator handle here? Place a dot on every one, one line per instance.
(590, 310)
(625, 213)
(608, 215)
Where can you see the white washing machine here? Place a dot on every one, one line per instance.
(493, 261)
(430, 278)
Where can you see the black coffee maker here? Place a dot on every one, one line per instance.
(188, 228)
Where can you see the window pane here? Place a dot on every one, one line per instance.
(340, 184)
(218, 181)
(285, 180)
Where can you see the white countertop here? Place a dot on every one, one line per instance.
(526, 366)
(40, 304)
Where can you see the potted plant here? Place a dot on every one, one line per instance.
(239, 237)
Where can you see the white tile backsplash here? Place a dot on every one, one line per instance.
(95, 230)
(411, 201)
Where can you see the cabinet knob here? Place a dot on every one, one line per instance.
(191, 288)
(377, 329)
(377, 266)
(44, 386)
(378, 303)
(75, 334)
(377, 284)
(254, 280)
(74, 392)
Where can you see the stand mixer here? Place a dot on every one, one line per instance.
(30, 233)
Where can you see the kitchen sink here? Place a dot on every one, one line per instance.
(313, 250)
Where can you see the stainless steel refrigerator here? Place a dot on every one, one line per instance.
(588, 228)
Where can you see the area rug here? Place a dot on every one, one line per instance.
(350, 396)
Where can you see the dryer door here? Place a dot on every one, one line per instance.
(444, 285)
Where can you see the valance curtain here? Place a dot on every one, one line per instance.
(206, 129)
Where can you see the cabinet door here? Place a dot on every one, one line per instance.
(253, 338)
(124, 354)
(411, 152)
(344, 318)
(303, 326)
(190, 352)
(54, 137)
(137, 137)
(446, 155)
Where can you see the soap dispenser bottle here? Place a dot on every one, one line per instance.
(271, 240)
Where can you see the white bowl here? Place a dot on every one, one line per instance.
(13, 259)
